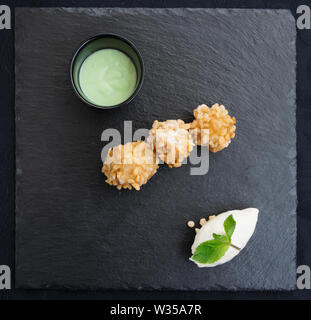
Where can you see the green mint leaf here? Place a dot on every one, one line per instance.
(220, 237)
(210, 251)
(229, 226)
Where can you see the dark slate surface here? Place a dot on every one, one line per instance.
(74, 231)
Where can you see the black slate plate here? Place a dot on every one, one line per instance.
(75, 231)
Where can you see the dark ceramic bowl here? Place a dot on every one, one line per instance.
(105, 41)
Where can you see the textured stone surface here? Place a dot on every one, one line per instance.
(75, 231)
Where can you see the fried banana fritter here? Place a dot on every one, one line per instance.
(130, 166)
(213, 127)
(171, 140)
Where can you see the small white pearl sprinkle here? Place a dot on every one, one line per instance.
(190, 224)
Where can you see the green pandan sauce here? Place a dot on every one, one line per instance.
(108, 77)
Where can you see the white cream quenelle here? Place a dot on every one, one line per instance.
(246, 221)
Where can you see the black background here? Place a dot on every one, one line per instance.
(7, 156)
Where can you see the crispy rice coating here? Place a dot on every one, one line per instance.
(130, 166)
(213, 127)
(171, 140)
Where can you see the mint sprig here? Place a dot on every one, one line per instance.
(229, 226)
(212, 250)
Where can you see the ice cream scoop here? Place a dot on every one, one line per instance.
(246, 221)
